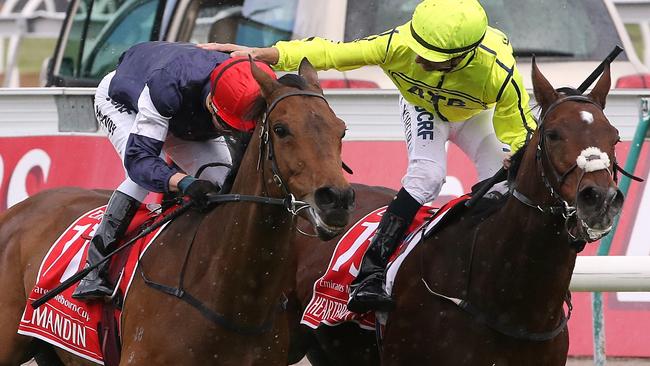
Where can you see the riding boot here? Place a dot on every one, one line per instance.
(119, 213)
(367, 290)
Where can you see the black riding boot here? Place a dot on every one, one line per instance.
(367, 290)
(119, 213)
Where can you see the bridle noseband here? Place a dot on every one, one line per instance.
(266, 141)
(289, 202)
(565, 209)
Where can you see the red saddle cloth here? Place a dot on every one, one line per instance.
(328, 304)
(68, 323)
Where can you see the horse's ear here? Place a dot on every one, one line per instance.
(545, 94)
(267, 83)
(307, 71)
(599, 92)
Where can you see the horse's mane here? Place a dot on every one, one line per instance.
(515, 163)
(258, 107)
(568, 91)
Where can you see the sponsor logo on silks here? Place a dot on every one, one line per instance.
(406, 119)
(105, 121)
(437, 96)
(425, 123)
(119, 106)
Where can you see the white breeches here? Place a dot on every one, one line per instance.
(426, 136)
(117, 122)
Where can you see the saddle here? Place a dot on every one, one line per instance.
(89, 330)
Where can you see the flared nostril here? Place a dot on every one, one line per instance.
(326, 197)
(592, 196)
(612, 194)
(334, 198)
(349, 197)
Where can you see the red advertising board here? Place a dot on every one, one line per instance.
(31, 164)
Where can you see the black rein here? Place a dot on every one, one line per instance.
(289, 203)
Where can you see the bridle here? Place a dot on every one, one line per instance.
(267, 142)
(266, 145)
(564, 208)
(289, 202)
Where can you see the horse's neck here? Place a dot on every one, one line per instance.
(248, 244)
(535, 248)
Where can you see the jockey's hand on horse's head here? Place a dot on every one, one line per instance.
(506, 161)
(270, 55)
(197, 190)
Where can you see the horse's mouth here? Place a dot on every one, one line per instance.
(324, 230)
(591, 228)
(596, 211)
(581, 230)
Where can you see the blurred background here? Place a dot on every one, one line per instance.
(569, 34)
(49, 137)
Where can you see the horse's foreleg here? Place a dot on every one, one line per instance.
(14, 348)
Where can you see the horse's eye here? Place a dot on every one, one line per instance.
(552, 135)
(281, 131)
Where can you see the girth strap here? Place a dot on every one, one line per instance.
(507, 330)
(214, 316)
(518, 332)
(179, 292)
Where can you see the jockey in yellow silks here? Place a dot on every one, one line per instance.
(458, 82)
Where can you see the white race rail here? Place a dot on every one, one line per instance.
(371, 115)
(611, 273)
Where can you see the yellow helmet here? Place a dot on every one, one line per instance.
(443, 29)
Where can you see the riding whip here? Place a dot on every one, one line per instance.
(81, 274)
(599, 70)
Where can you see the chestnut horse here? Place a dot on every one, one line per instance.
(240, 254)
(489, 287)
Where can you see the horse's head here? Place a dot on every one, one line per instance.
(303, 137)
(576, 155)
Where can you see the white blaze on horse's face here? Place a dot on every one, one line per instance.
(587, 117)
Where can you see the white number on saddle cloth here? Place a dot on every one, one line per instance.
(75, 263)
(370, 228)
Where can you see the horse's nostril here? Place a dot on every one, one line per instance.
(325, 197)
(334, 198)
(612, 194)
(592, 196)
(349, 198)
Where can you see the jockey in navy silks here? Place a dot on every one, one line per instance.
(174, 99)
(458, 82)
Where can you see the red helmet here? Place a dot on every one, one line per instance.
(234, 90)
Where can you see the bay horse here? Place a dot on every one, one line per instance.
(489, 287)
(240, 251)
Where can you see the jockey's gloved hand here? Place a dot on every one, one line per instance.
(197, 190)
